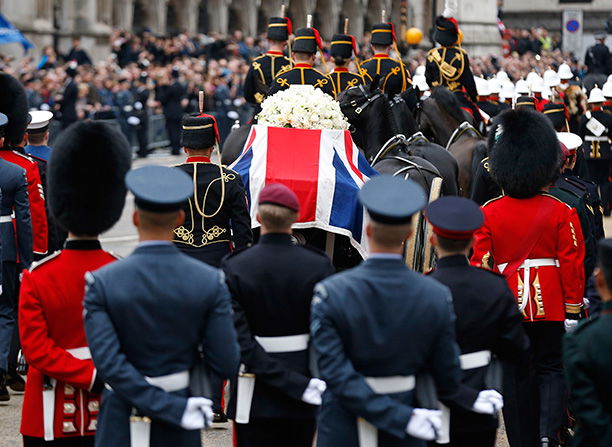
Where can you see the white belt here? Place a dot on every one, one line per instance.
(593, 138)
(246, 381)
(527, 265)
(7, 218)
(290, 343)
(474, 360)
(368, 433)
(140, 427)
(48, 395)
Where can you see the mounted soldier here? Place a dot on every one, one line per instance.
(449, 65)
(266, 67)
(343, 47)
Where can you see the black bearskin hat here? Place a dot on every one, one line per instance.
(14, 104)
(447, 31)
(524, 153)
(343, 46)
(556, 114)
(199, 131)
(307, 40)
(86, 177)
(383, 34)
(279, 28)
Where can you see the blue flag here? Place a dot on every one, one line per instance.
(10, 34)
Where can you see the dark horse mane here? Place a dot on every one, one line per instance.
(447, 101)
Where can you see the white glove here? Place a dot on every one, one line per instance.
(586, 303)
(424, 424)
(488, 402)
(314, 392)
(570, 325)
(198, 414)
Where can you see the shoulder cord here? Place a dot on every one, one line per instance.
(195, 190)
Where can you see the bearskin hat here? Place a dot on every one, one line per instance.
(86, 175)
(524, 153)
(14, 104)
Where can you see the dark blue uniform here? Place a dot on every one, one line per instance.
(378, 320)
(271, 285)
(145, 316)
(487, 320)
(16, 240)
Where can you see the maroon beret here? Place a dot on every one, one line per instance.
(278, 194)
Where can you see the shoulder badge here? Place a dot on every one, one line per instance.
(44, 260)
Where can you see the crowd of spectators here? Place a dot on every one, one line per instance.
(212, 63)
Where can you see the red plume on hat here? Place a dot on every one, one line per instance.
(450, 11)
(289, 25)
(393, 31)
(204, 115)
(317, 38)
(354, 43)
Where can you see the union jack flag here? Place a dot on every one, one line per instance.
(323, 167)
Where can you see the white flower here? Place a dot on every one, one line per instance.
(302, 107)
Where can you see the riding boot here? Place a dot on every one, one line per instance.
(4, 394)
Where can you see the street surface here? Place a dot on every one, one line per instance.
(122, 239)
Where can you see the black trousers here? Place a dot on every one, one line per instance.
(9, 335)
(273, 432)
(79, 441)
(142, 134)
(173, 127)
(599, 172)
(535, 398)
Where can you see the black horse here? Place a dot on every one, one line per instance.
(377, 123)
(441, 118)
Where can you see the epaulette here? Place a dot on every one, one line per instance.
(492, 200)
(27, 157)
(44, 260)
(545, 194)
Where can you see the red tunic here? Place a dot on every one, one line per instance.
(50, 324)
(555, 249)
(40, 233)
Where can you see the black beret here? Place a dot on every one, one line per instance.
(14, 104)
(86, 177)
(524, 152)
(199, 131)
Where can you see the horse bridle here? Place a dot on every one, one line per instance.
(369, 99)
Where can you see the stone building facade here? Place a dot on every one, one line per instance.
(49, 22)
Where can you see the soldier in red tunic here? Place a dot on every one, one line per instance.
(62, 390)
(535, 241)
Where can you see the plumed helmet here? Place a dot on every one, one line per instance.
(307, 40)
(14, 104)
(279, 28)
(524, 153)
(343, 46)
(86, 175)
